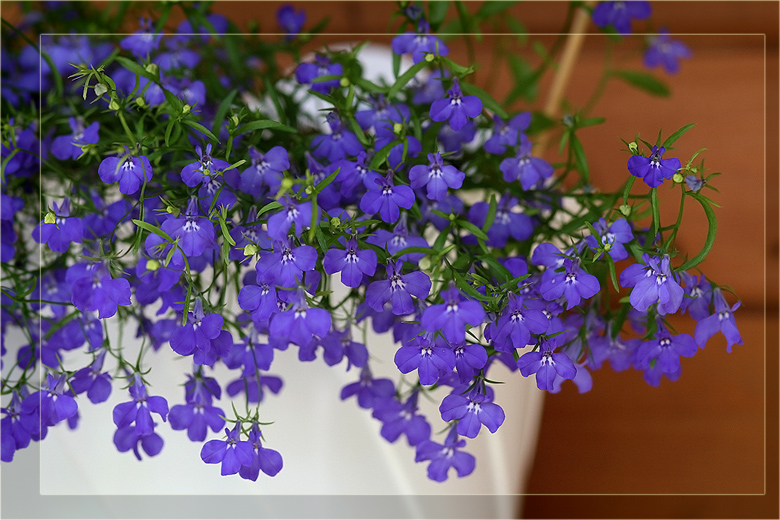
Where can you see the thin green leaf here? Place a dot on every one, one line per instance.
(153, 229)
(675, 136)
(405, 78)
(487, 100)
(202, 129)
(474, 230)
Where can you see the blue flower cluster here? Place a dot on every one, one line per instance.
(239, 229)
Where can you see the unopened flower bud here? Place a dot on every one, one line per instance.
(633, 147)
(424, 263)
(151, 69)
(50, 218)
(234, 121)
(113, 105)
(250, 250)
(344, 82)
(335, 222)
(429, 57)
(397, 127)
(625, 210)
(677, 178)
(287, 184)
(100, 89)
(152, 265)
(186, 109)
(140, 102)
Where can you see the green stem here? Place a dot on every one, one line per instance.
(711, 231)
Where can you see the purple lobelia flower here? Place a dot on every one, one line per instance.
(653, 282)
(59, 234)
(13, 434)
(249, 235)
(134, 423)
(516, 324)
(721, 321)
(337, 145)
(264, 459)
(508, 133)
(420, 43)
(259, 300)
(452, 141)
(429, 359)
(90, 379)
(665, 51)
(95, 290)
(398, 419)
(202, 336)
(290, 213)
(198, 414)
(472, 409)
(129, 170)
(617, 351)
(398, 288)
(285, 266)
(322, 66)
(694, 183)
(47, 407)
(386, 134)
(193, 232)
(573, 283)
(469, 359)
(456, 108)
(232, 453)
(452, 316)
(265, 175)
(206, 166)
(653, 170)
(546, 364)
(612, 238)
(446, 456)
(352, 262)
(369, 390)
(698, 291)
(381, 111)
(436, 176)
(506, 223)
(620, 14)
(290, 20)
(530, 171)
(144, 41)
(661, 356)
(69, 146)
(385, 197)
(154, 280)
(300, 323)
(398, 240)
(351, 174)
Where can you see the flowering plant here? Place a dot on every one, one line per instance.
(154, 170)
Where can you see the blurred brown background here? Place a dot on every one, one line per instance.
(700, 447)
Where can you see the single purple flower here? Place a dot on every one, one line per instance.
(59, 234)
(398, 288)
(307, 72)
(452, 316)
(97, 291)
(662, 354)
(698, 292)
(90, 379)
(134, 422)
(436, 176)
(420, 43)
(206, 166)
(653, 282)
(69, 146)
(546, 364)
(516, 324)
(198, 414)
(531, 171)
(398, 240)
(337, 145)
(721, 321)
(446, 456)
(200, 336)
(144, 41)
(472, 410)
(386, 134)
(263, 459)
(573, 283)
(265, 175)
(381, 111)
(612, 238)
(398, 419)
(285, 266)
(665, 51)
(300, 323)
(694, 183)
(620, 14)
(352, 262)
(47, 407)
(508, 133)
(290, 213)
(232, 453)
(290, 20)
(506, 223)
(429, 359)
(385, 197)
(129, 170)
(456, 108)
(369, 391)
(653, 170)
